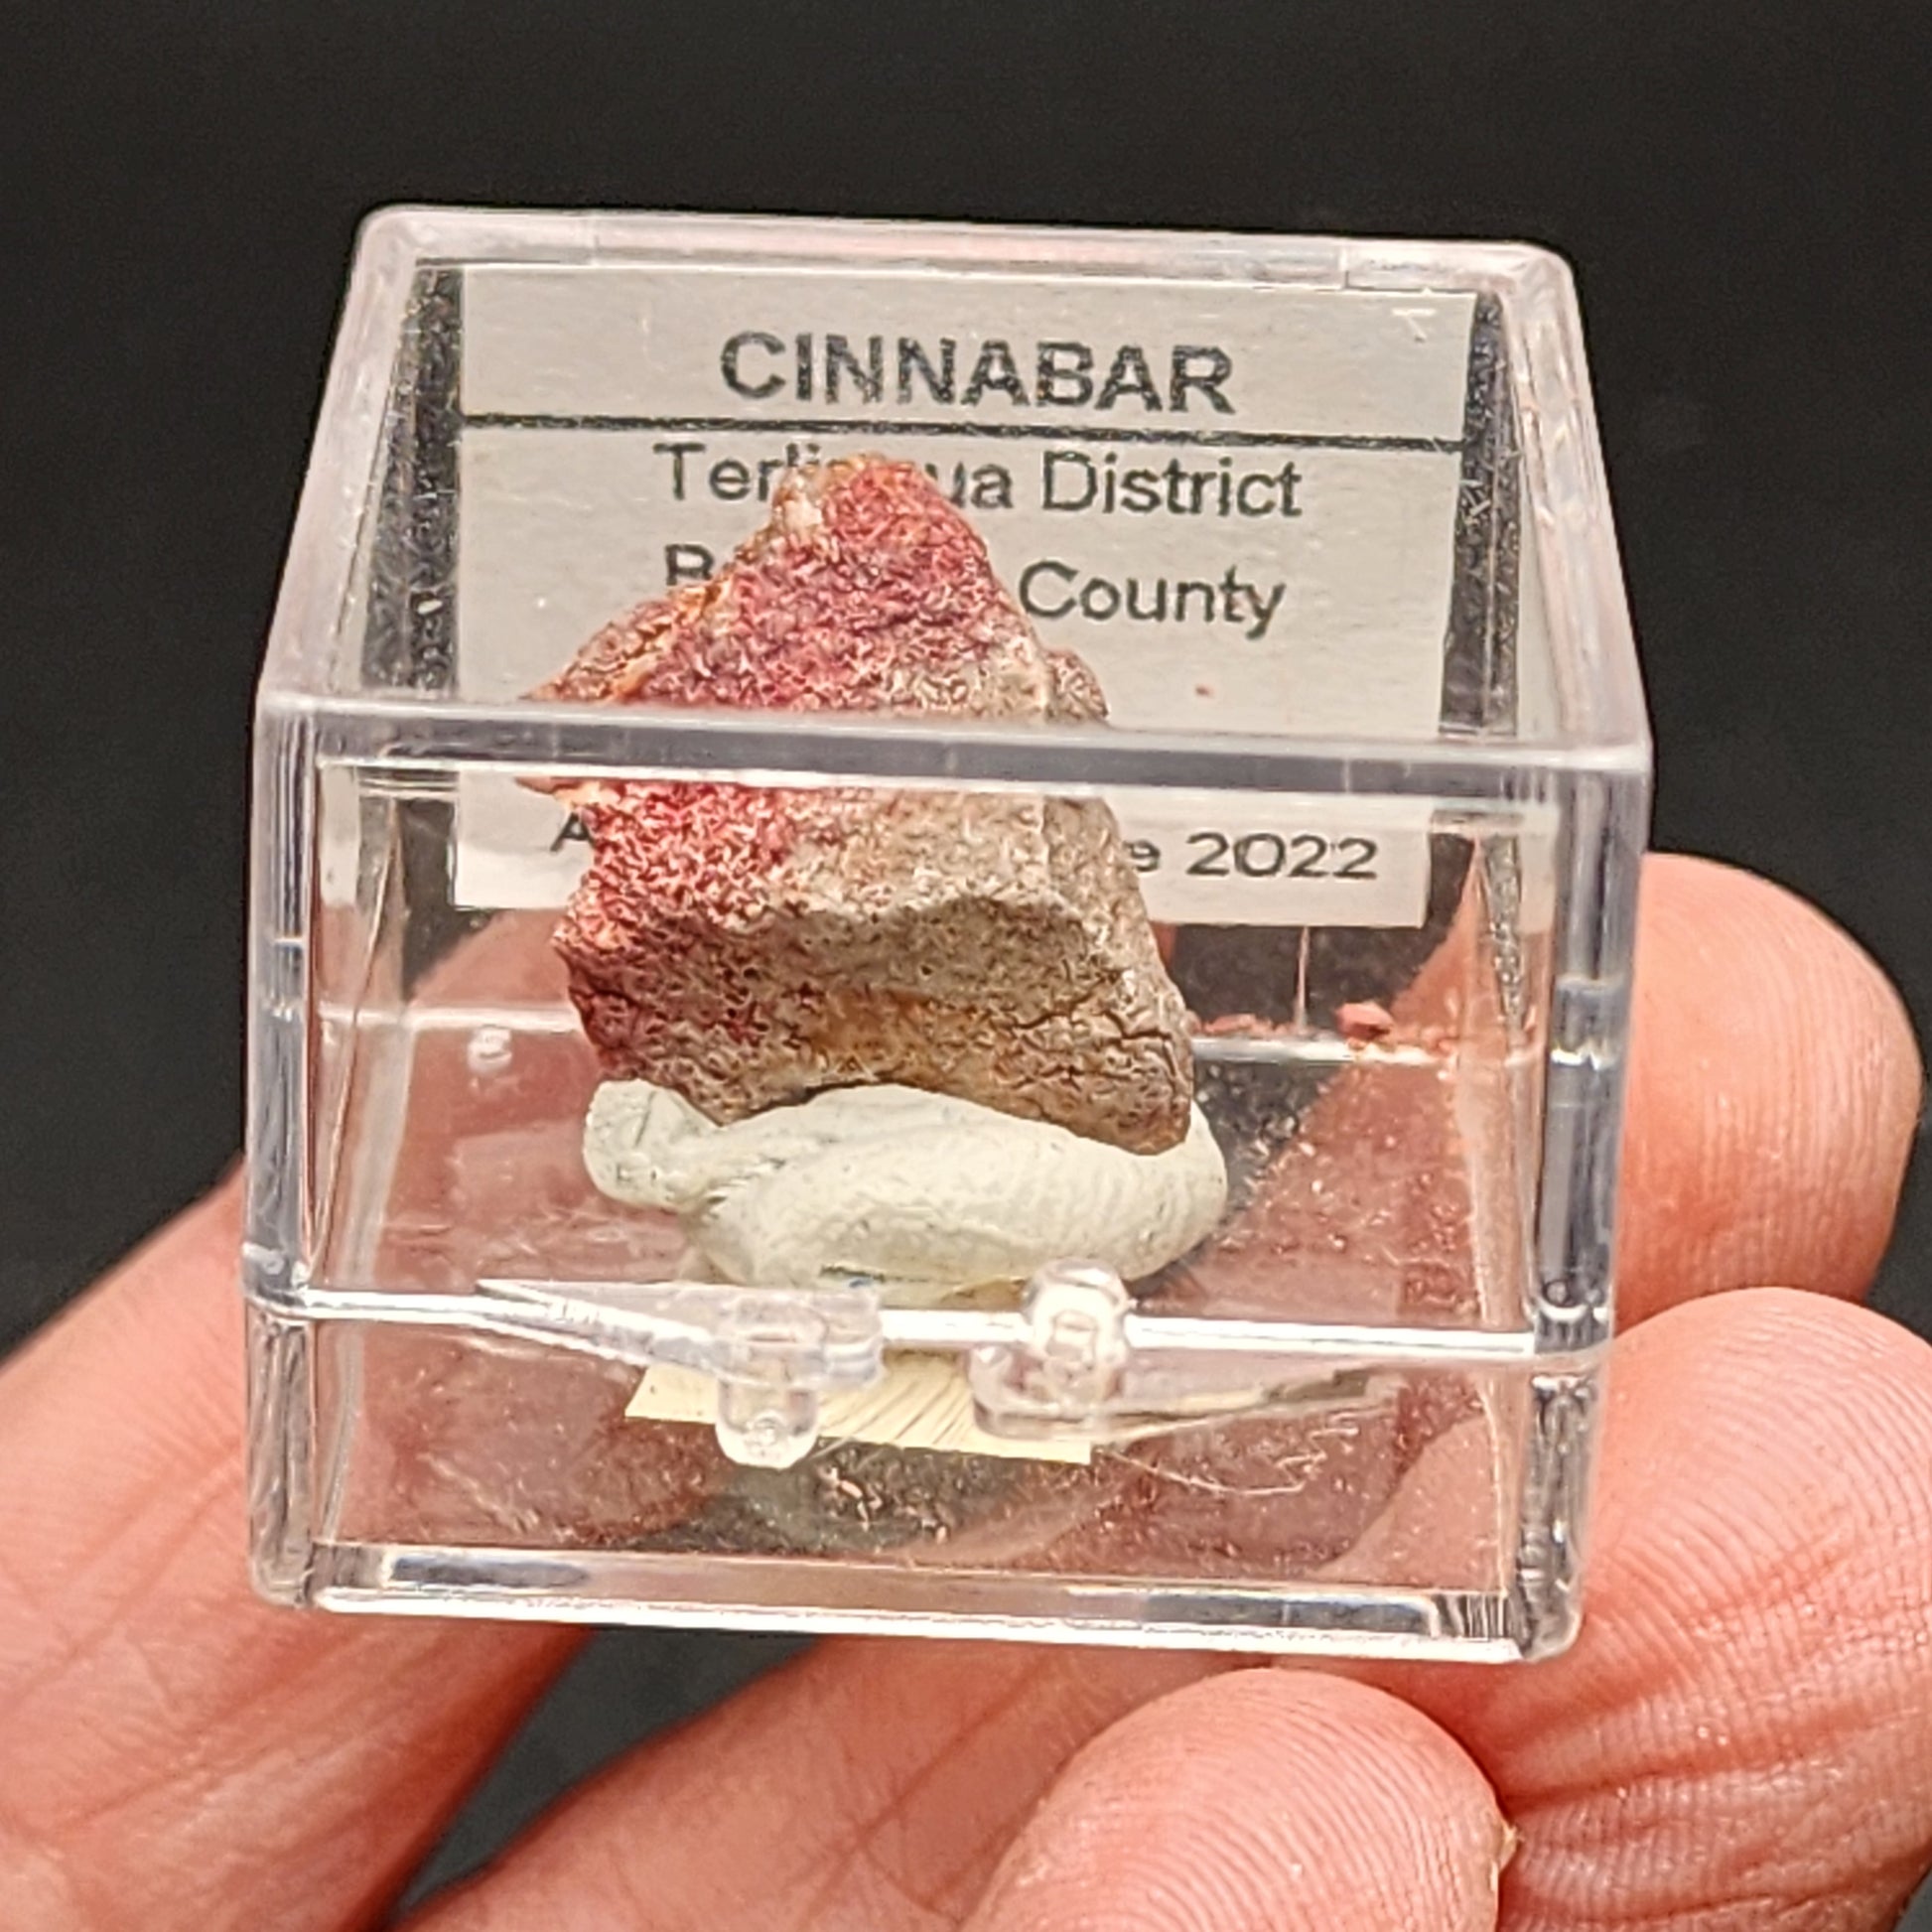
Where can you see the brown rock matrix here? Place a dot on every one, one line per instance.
(752, 945)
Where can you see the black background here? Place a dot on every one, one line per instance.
(1739, 185)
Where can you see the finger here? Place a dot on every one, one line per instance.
(869, 1785)
(1775, 1086)
(174, 1752)
(1739, 1736)
(1261, 1802)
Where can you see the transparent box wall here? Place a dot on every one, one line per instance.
(1145, 1178)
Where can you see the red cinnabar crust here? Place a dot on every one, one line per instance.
(752, 945)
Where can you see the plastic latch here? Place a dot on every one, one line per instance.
(1085, 1362)
(772, 1368)
(1067, 1370)
(773, 1353)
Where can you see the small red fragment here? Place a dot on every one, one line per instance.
(1363, 1021)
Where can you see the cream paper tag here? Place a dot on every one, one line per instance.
(921, 1402)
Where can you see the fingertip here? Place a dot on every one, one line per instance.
(1258, 1800)
(1738, 1732)
(1775, 1086)
(175, 1296)
(1760, 1385)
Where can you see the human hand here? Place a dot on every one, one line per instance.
(1739, 1739)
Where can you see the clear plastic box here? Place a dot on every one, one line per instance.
(769, 1110)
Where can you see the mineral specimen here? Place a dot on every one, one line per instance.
(749, 946)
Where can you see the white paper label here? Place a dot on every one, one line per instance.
(1202, 858)
(1235, 501)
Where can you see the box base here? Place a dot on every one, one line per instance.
(624, 1587)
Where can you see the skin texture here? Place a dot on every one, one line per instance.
(1736, 1744)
